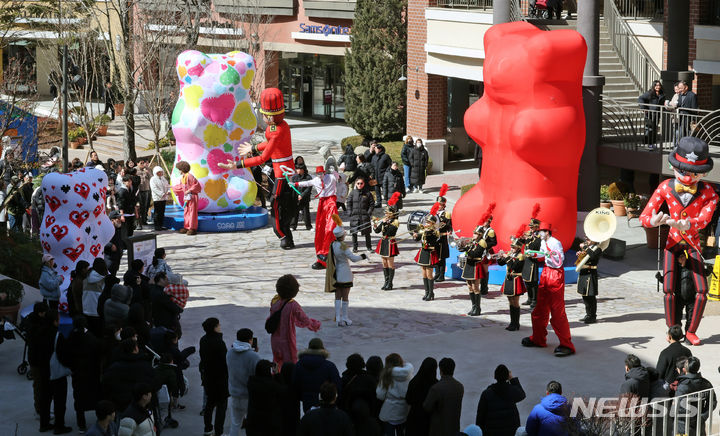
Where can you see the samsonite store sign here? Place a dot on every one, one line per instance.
(322, 33)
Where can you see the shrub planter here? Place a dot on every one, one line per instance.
(606, 204)
(619, 207)
(102, 130)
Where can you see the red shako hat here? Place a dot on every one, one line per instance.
(545, 226)
(272, 102)
(319, 169)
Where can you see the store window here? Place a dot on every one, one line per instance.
(313, 85)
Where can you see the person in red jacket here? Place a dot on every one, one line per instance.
(278, 147)
(691, 204)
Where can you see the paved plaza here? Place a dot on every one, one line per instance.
(232, 277)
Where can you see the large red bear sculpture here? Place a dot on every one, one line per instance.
(531, 127)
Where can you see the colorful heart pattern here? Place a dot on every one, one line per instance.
(213, 115)
(69, 234)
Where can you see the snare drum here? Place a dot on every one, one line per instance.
(462, 260)
(416, 219)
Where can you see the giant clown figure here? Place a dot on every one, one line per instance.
(691, 204)
(277, 147)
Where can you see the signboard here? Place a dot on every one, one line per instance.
(142, 247)
(325, 30)
(327, 96)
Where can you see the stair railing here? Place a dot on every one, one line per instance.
(637, 62)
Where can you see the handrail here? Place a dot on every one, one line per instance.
(467, 4)
(635, 59)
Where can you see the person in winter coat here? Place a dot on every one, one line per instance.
(418, 420)
(137, 419)
(165, 313)
(444, 401)
(84, 351)
(36, 325)
(37, 209)
(312, 370)
(117, 308)
(303, 197)
(637, 379)
(114, 249)
(241, 362)
(549, 418)
(93, 287)
(358, 396)
(214, 375)
(649, 102)
(339, 276)
(497, 413)
(381, 163)
(264, 416)
(348, 158)
(160, 189)
(392, 183)
(75, 291)
(283, 341)
(326, 419)
(127, 370)
(360, 205)
(392, 389)
(405, 158)
(418, 166)
(105, 424)
(689, 382)
(342, 189)
(50, 281)
(364, 170)
(290, 402)
(666, 360)
(158, 264)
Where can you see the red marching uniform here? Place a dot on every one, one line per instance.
(278, 147)
(699, 211)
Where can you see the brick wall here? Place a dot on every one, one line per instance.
(426, 93)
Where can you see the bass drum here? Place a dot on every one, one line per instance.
(416, 220)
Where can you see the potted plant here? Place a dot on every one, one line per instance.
(11, 296)
(632, 205)
(77, 137)
(102, 122)
(617, 198)
(605, 197)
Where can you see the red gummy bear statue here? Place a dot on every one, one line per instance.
(531, 127)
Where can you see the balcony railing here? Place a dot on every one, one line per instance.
(630, 125)
(639, 9)
(467, 4)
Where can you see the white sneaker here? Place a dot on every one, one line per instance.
(421, 191)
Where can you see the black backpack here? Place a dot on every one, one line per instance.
(273, 322)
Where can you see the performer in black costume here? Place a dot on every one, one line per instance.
(445, 229)
(473, 270)
(387, 247)
(587, 283)
(427, 256)
(531, 266)
(513, 286)
(489, 240)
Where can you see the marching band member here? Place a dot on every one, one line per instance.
(445, 229)
(513, 286)
(387, 247)
(473, 270)
(531, 267)
(339, 276)
(427, 256)
(488, 240)
(550, 297)
(587, 283)
(691, 204)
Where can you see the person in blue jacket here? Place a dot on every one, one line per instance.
(550, 417)
(50, 281)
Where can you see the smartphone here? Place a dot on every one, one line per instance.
(254, 344)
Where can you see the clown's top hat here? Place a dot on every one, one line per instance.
(691, 154)
(272, 102)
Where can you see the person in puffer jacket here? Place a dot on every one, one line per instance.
(392, 389)
(549, 418)
(116, 309)
(137, 420)
(49, 282)
(241, 362)
(311, 371)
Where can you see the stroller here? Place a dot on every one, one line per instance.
(538, 9)
(8, 331)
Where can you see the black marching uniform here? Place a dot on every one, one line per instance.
(490, 239)
(513, 286)
(428, 256)
(587, 283)
(530, 270)
(445, 228)
(387, 247)
(473, 269)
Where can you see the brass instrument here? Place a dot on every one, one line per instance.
(599, 226)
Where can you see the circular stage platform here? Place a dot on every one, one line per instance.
(242, 219)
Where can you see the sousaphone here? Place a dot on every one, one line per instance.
(599, 226)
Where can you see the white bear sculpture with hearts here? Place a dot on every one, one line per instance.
(213, 115)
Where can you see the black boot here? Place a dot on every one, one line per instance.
(514, 319)
(391, 276)
(483, 286)
(476, 307)
(472, 301)
(368, 245)
(427, 289)
(440, 271)
(385, 273)
(355, 242)
(590, 310)
(431, 285)
(528, 287)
